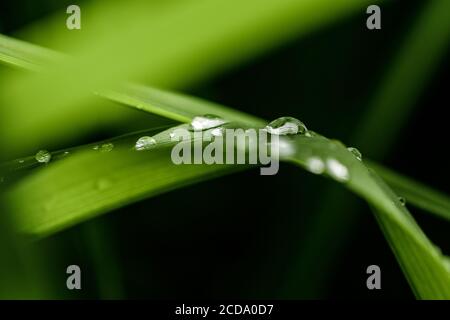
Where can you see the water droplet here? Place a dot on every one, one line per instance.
(217, 132)
(43, 156)
(286, 126)
(96, 147)
(145, 143)
(355, 152)
(315, 165)
(106, 147)
(205, 122)
(402, 201)
(21, 161)
(337, 170)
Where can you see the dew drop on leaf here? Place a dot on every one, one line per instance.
(43, 156)
(355, 152)
(205, 122)
(106, 147)
(286, 126)
(402, 201)
(145, 143)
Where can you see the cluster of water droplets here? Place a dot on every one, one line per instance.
(315, 164)
(283, 126)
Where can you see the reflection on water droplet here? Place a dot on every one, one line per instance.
(315, 165)
(96, 147)
(286, 126)
(103, 184)
(355, 152)
(43, 156)
(337, 170)
(402, 201)
(205, 122)
(21, 161)
(145, 143)
(106, 147)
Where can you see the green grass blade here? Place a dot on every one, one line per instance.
(415, 193)
(90, 183)
(422, 262)
(175, 106)
(207, 38)
(412, 67)
(375, 134)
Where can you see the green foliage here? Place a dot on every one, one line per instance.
(87, 183)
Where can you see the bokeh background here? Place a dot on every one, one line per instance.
(292, 235)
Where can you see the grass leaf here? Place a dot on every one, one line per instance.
(423, 264)
(202, 42)
(415, 193)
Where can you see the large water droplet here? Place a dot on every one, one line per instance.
(106, 147)
(402, 201)
(43, 156)
(145, 143)
(355, 152)
(286, 126)
(337, 170)
(205, 122)
(315, 165)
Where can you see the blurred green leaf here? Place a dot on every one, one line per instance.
(167, 44)
(417, 59)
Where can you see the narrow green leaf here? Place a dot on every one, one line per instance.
(388, 109)
(92, 182)
(422, 262)
(174, 105)
(207, 38)
(415, 193)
